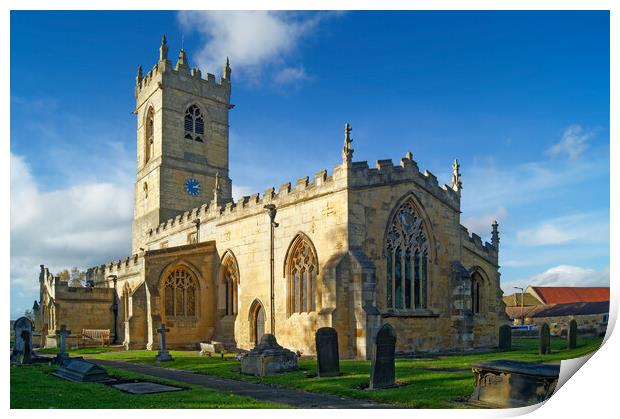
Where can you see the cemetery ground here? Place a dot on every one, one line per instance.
(32, 387)
(427, 381)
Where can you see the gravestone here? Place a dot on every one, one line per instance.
(382, 369)
(268, 358)
(505, 337)
(327, 359)
(571, 336)
(210, 348)
(62, 356)
(504, 383)
(22, 347)
(77, 369)
(163, 355)
(145, 387)
(545, 339)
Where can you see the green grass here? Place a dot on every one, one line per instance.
(33, 388)
(431, 382)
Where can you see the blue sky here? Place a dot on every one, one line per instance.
(520, 98)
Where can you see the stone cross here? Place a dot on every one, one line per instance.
(571, 335)
(62, 334)
(163, 354)
(505, 337)
(382, 368)
(545, 340)
(327, 359)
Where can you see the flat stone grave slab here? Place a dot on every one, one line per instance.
(506, 383)
(145, 387)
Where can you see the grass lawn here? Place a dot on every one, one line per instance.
(432, 382)
(33, 388)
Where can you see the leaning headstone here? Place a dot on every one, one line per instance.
(62, 356)
(505, 337)
(268, 358)
(545, 340)
(327, 359)
(571, 338)
(76, 369)
(163, 355)
(382, 369)
(22, 347)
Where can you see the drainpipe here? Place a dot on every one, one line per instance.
(271, 208)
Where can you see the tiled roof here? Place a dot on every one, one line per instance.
(513, 300)
(564, 295)
(572, 309)
(555, 310)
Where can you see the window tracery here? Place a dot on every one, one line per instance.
(406, 254)
(302, 277)
(180, 293)
(194, 124)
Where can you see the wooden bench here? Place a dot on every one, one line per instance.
(94, 337)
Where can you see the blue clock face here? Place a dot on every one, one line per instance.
(192, 186)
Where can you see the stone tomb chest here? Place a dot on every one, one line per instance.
(268, 358)
(513, 383)
(76, 369)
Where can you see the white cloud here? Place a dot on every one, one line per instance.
(81, 225)
(482, 223)
(585, 227)
(290, 75)
(239, 191)
(574, 142)
(562, 276)
(251, 39)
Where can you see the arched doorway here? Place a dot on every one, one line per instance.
(257, 322)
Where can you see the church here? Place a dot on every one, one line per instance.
(352, 249)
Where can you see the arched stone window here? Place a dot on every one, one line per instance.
(476, 292)
(301, 273)
(406, 255)
(148, 134)
(230, 281)
(180, 292)
(194, 124)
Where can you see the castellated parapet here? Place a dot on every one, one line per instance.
(473, 243)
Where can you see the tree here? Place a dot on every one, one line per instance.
(77, 277)
(63, 275)
(29, 315)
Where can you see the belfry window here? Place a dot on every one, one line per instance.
(148, 135)
(180, 291)
(406, 258)
(302, 277)
(194, 124)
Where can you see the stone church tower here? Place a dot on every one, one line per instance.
(182, 144)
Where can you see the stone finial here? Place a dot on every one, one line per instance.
(495, 234)
(457, 185)
(139, 75)
(182, 61)
(227, 70)
(163, 49)
(347, 151)
(217, 189)
(409, 155)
